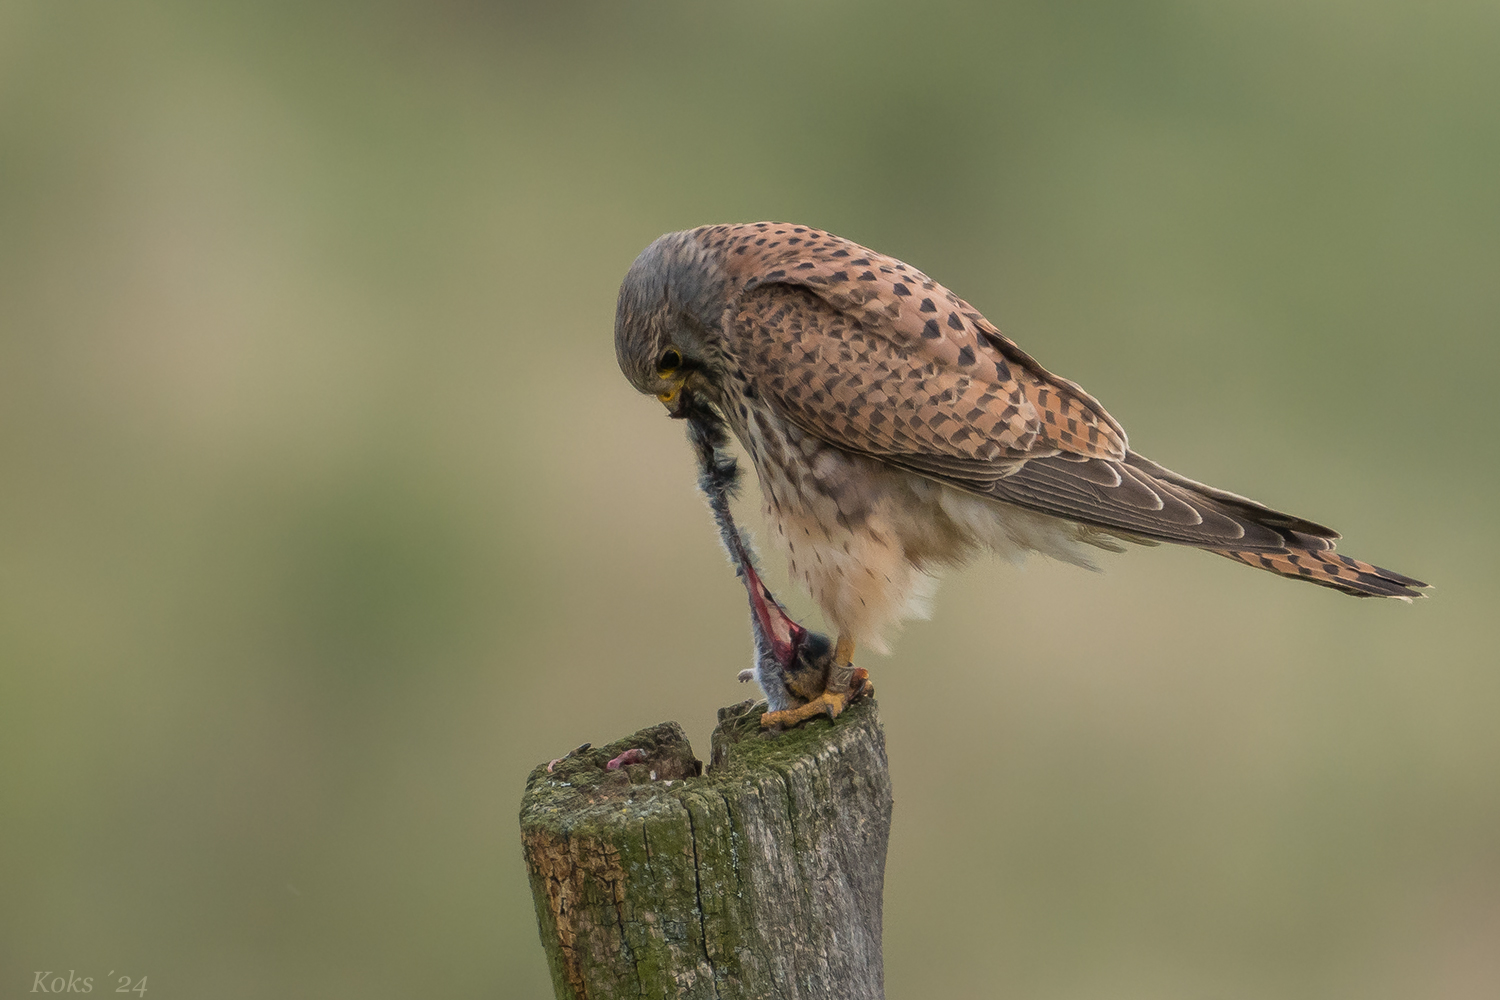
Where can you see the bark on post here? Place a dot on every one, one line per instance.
(760, 878)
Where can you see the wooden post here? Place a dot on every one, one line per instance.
(761, 878)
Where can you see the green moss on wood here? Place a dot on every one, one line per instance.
(658, 880)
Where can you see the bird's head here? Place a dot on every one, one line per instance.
(668, 321)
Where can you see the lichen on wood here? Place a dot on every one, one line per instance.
(760, 878)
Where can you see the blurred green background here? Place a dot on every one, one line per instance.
(325, 513)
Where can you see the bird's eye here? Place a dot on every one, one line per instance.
(670, 361)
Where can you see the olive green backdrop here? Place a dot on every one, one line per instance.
(325, 513)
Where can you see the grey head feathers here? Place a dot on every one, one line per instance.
(674, 295)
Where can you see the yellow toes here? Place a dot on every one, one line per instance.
(827, 703)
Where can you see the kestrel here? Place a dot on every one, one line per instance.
(895, 431)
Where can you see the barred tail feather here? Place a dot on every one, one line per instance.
(1310, 558)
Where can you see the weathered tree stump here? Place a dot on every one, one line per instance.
(760, 878)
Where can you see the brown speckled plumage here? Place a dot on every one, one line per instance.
(894, 429)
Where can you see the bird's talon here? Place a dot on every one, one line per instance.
(860, 685)
(828, 703)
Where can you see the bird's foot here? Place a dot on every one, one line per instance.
(830, 703)
(861, 684)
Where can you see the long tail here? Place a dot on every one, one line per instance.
(1308, 557)
(1306, 549)
(1141, 501)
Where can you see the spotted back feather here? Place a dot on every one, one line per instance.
(920, 331)
(873, 356)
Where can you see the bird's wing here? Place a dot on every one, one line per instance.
(871, 355)
(948, 356)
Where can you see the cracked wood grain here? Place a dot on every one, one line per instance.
(760, 878)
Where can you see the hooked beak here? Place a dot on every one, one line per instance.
(677, 400)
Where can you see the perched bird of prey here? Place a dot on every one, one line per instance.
(896, 431)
